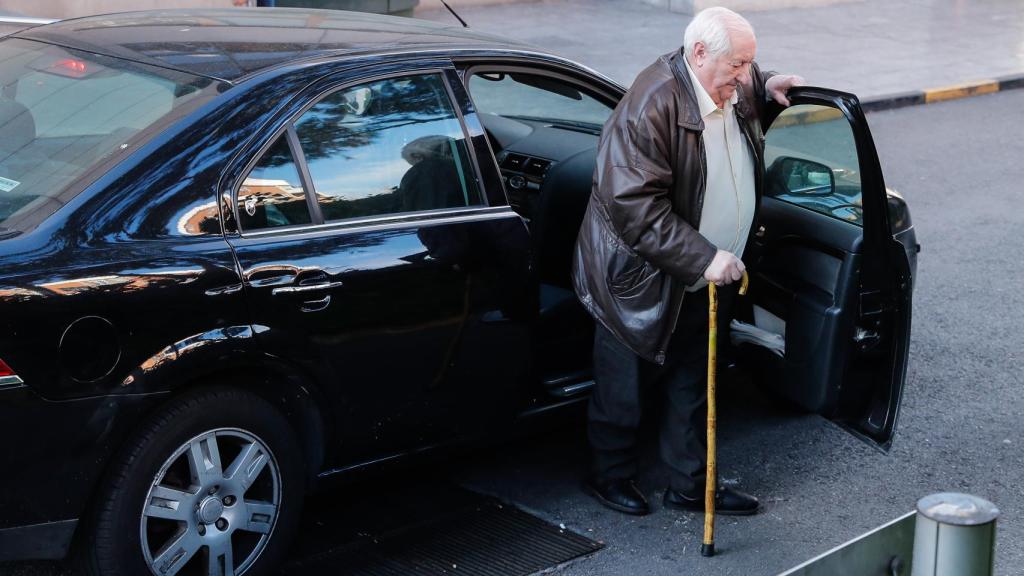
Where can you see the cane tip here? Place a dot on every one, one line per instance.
(707, 550)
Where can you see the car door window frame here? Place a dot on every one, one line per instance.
(875, 228)
(484, 209)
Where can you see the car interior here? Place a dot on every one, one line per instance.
(544, 132)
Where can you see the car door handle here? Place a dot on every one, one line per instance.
(306, 288)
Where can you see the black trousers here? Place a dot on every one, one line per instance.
(623, 380)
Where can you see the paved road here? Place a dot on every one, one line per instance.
(958, 164)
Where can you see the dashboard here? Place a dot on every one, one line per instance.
(531, 151)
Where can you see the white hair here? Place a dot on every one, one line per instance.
(714, 27)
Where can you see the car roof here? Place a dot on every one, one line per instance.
(230, 44)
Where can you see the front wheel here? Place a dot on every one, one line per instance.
(212, 485)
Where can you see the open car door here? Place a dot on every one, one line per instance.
(827, 271)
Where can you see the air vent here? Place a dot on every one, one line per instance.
(536, 166)
(514, 162)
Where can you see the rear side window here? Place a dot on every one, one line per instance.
(65, 113)
(387, 147)
(272, 194)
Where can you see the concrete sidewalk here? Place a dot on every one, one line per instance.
(874, 48)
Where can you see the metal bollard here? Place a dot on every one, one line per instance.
(955, 535)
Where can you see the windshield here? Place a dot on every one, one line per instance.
(67, 115)
(535, 97)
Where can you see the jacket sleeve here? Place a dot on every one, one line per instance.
(634, 182)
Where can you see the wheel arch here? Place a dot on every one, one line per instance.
(285, 386)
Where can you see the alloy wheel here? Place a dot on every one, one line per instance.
(201, 517)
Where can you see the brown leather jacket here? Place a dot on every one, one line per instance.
(639, 246)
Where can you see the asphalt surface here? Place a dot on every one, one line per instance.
(958, 164)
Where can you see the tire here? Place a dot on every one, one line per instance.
(215, 477)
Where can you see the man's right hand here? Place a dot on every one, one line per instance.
(725, 268)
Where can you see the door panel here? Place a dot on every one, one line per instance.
(825, 262)
(370, 256)
(805, 275)
(414, 330)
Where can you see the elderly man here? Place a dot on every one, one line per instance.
(675, 193)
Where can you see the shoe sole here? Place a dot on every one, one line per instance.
(617, 507)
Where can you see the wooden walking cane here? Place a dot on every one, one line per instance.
(711, 478)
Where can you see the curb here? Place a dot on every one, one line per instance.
(929, 96)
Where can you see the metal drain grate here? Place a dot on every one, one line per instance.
(488, 539)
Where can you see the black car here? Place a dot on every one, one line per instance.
(244, 250)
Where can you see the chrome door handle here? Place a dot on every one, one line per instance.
(307, 288)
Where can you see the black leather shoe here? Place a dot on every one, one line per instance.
(621, 495)
(728, 502)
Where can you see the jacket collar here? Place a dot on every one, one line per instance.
(689, 112)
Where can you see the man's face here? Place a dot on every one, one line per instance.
(720, 76)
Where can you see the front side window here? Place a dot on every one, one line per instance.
(387, 147)
(811, 159)
(64, 113)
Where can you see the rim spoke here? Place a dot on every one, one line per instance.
(221, 559)
(204, 460)
(169, 504)
(176, 553)
(259, 516)
(247, 465)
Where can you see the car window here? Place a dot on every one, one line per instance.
(811, 160)
(64, 113)
(387, 147)
(272, 194)
(530, 96)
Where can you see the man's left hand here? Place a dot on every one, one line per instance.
(777, 85)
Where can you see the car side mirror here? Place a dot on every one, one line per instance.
(788, 175)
